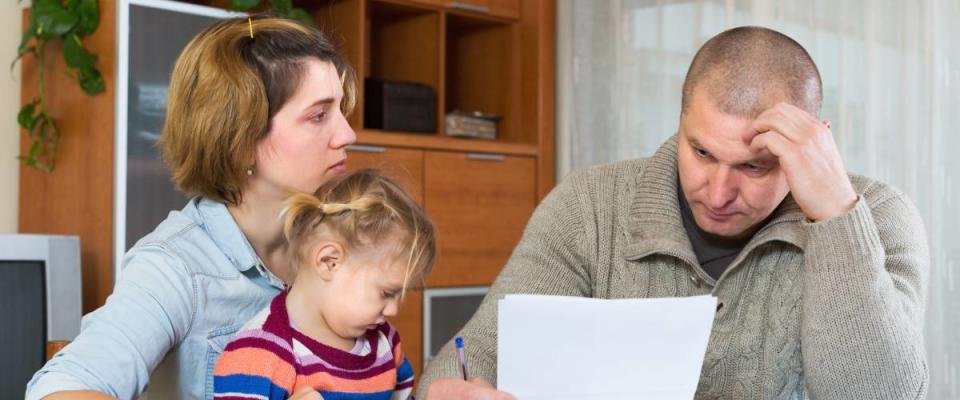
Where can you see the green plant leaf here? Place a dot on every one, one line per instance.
(300, 15)
(46, 130)
(281, 7)
(51, 18)
(26, 118)
(34, 151)
(75, 55)
(57, 19)
(88, 16)
(25, 46)
(27, 36)
(22, 52)
(91, 81)
(243, 5)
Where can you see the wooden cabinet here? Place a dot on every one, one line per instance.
(493, 56)
(480, 204)
(496, 8)
(404, 165)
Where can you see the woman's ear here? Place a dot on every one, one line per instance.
(327, 258)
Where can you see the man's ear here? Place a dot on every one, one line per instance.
(327, 258)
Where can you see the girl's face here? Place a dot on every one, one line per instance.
(363, 289)
(306, 144)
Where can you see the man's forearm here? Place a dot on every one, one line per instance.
(862, 305)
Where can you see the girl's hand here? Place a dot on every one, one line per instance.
(306, 394)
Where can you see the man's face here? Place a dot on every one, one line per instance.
(730, 189)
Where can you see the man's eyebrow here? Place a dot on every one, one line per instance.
(762, 161)
(694, 142)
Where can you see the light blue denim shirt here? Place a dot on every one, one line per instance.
(184, 290)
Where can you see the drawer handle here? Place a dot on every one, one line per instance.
(485, 157)
(360, 148)
(469, 7)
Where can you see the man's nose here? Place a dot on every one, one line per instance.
(722, 188)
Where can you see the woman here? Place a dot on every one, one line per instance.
(256, 108)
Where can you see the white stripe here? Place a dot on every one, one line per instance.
(243, 395)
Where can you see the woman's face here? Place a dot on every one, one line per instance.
(306, 144)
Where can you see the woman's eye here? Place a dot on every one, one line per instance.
(319, 117)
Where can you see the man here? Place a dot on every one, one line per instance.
(820, 276)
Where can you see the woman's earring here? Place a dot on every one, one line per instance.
(250, 171)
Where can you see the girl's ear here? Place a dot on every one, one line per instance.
(327, 258)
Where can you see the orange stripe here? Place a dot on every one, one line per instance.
(324, 381)
(255, 361)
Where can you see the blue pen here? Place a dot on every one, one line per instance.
(462, 358)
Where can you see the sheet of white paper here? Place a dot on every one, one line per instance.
(552, 347)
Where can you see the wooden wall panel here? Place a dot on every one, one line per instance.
(77, 197)
(538, 40)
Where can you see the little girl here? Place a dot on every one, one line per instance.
(356, 245)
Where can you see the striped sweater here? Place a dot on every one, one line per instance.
(269, 359)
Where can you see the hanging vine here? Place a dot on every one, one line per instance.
(280, 8)
(56, 20)
(69, 21)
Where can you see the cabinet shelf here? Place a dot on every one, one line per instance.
(434, 142)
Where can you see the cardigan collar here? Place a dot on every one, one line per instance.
(654, 219)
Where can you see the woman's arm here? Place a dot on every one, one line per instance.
(120, 344)
(79, 395)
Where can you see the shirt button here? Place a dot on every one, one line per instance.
(695, 280)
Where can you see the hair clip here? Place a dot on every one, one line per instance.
(250, 25)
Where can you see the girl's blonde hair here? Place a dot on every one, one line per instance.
(227, 85)
(360, 209)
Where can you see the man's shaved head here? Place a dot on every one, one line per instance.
(746, 70)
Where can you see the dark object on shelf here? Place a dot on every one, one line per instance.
(475, 124)
(399, 106)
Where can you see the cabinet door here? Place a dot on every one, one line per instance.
(480, 204)
(500, 8)
(404, 165)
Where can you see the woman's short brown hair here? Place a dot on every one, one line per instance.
(226, 86)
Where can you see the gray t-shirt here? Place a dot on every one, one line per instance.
(713, 253)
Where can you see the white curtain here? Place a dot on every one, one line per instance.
(891, 72)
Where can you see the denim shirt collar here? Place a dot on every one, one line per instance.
(223, 229)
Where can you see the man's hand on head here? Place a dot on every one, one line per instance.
(809, 157)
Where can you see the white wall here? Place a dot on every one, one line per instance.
(10, 32)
